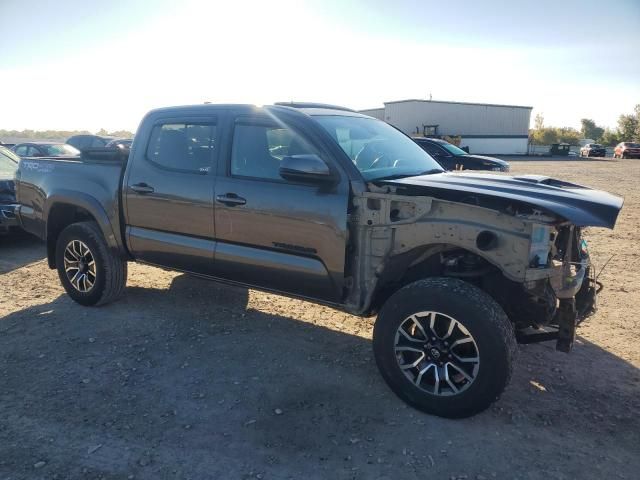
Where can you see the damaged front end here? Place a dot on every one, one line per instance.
(573, 281)
(531, 260)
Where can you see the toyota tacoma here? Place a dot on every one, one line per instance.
(321, 203)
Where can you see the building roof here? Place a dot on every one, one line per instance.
(456, 103)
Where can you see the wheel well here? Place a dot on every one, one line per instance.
(432, 261)
(524, 308)
(61, 216)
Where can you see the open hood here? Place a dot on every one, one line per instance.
(580, 205)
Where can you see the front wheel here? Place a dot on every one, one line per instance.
(89, 271)
(445, 347)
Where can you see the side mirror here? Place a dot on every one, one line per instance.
(307, 168)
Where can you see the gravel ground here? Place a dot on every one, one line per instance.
(184, 378)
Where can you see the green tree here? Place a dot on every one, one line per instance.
(629, 126)
(610, 138)
(568, 135)
(590, 129)
(539, 121)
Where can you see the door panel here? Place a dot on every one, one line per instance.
(281, 236)
(169, 196)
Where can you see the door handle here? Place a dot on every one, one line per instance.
(142, 188)
(231, 199)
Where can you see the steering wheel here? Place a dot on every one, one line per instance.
(367, 155)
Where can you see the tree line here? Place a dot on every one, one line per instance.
(628, 130)
(61, 134)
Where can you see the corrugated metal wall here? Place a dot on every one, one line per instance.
(458, 118)
(374, 112)
(496, 146)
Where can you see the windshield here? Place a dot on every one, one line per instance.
(8, 165)
(57, 150)
(453, 149)
(377, 149)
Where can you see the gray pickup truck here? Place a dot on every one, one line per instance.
(322, 203)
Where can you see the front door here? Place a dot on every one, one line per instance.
(272, 233)
(169, 195)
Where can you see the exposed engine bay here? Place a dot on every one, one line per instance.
(533, 263)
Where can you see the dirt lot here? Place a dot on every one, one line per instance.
(184, 378)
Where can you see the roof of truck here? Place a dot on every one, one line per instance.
(308, 108)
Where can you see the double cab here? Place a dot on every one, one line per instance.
(322, 203)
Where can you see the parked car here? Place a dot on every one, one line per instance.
(8, 166)
(627, 150)
(451, 157)
(82, 142)
(122, 143)
(45, 149)
(351, 213)
(593, 150)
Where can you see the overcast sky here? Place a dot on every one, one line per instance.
(70, 64)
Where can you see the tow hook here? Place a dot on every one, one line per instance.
(567, 318)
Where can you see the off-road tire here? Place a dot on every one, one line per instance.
(111, 270)
(478, 313)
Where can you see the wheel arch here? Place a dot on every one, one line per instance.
(64, 208)
(419, 263)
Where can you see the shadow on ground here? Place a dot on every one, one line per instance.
(189, 383)
(18, 249)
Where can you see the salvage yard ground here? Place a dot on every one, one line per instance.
(184, 378)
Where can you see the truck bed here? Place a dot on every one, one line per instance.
(93, 183)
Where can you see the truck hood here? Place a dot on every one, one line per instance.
(580, 205)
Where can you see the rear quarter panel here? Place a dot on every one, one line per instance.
(41, 184)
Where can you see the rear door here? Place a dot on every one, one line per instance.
(273, 233)
(169, 194)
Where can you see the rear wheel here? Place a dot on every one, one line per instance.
(89, 271)
(444, 346)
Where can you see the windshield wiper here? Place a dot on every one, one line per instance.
(396, 176)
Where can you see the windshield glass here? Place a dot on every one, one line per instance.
(377, 149)
(7, 164)
(56, 150)
(453, 149)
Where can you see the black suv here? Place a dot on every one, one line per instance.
(451, 157)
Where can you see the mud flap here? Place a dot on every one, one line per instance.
(567, 319)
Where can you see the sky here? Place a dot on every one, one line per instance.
(79, 64)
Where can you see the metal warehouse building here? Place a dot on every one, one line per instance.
(484, 128)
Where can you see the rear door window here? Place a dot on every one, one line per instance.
(185, 147)
(432, 149)
(97, 142)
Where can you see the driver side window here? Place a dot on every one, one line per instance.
(258, 147)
